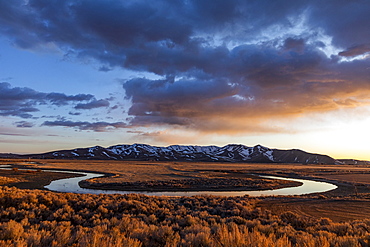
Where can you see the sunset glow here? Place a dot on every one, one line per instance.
(283, 74)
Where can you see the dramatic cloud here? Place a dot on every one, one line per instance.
(222, 64)
(95, 126)
(266, 83)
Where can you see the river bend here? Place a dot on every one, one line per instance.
(307, 187)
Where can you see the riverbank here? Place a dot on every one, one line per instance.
(24, 177)
(31, 179)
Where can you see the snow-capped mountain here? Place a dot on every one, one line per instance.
(228, 153)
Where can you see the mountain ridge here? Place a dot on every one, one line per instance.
(227, 153)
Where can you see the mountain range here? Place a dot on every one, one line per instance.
(228, 153)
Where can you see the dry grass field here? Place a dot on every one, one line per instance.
(43, 218)
(353, 177)
(338, 210)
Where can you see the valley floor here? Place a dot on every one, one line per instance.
(42, 218)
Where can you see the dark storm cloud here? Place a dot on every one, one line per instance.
(137, 34)
(221, 61)
(346, 21)
(94, 126)
(113, 31)
(23, 102)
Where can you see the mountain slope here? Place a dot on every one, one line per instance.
(228, 153)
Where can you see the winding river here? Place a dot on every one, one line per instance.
(307, 187)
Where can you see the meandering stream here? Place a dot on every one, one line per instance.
(307, 187)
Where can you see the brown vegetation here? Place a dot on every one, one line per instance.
(8, 180)
(42, 218)
(199, 184)
(337, 209)
(352, 177)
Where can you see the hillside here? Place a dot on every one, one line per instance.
(228, 153)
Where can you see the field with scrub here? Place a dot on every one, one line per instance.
(42, 218)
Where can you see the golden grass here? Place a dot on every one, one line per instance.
(42, 218)
(8, 180)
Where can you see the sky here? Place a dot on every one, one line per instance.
(284, 74)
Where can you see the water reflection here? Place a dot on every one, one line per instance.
(307, 187)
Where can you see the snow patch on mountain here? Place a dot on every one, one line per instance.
(269, 155)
